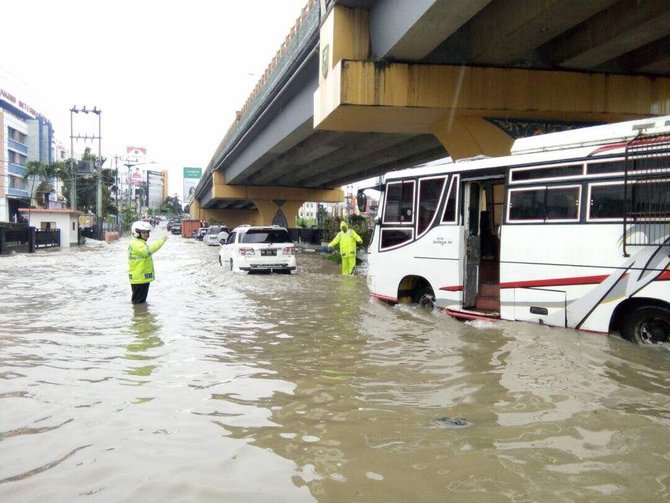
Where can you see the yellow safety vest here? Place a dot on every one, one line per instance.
(140, 263)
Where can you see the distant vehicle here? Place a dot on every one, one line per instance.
(201, 233)
(176, 229)
(173, 222)
(212, 236)
(223, 235)
(258, 248)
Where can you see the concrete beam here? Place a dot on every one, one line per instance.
(406, 31)
(626, 25)
(506, 31)
(288, 127)
(400, 98)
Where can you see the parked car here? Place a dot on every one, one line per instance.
(212, 236)
(176, 228)
(258, 248)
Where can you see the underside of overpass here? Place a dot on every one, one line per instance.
(368, 86)
(475, 110)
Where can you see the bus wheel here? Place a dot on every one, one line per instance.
(425, 298)
(648, 325)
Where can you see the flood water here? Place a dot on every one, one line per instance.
(228, 387)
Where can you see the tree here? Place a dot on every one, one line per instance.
(173, 205)
(305, 222)
(44, 172)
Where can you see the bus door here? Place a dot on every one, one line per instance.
(472, 257)
(483, 206)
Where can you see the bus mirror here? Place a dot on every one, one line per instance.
(362, 202)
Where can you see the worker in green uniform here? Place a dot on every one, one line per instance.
(140, 261)
(347, 238)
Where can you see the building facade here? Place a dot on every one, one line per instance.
(25, 135)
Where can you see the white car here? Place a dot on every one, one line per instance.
(258, 248)
(212, 236)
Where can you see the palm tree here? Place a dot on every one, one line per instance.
(39, 170)
(34, 170)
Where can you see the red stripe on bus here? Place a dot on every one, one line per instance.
(452, 288)
(470, 316)
(607, 147)
(664, 276)
(581, 280)
(384, 298)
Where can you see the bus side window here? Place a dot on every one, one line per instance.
(399, 202)
(430, 190)
(541, 204)
(450, 208)
(526, 204)
(391, 238)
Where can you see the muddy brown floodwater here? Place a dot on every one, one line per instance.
(228, 387)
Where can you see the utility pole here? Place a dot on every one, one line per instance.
(98, 200)
(116, 170)
(73, 173)
(96, 111)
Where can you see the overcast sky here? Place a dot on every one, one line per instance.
(168, 75)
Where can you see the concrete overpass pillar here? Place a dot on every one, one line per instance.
(465, 136)
(277, 212)
(271, 205)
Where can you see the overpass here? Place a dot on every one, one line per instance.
(360, 87)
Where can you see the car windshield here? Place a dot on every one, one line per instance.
(215, 229)
(266, 236)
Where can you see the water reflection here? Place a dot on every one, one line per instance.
(145, 327)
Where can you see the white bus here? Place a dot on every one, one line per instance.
(571, 230)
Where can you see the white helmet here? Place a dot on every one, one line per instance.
(139, 226)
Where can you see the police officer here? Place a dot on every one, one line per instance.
(140, 261)
(347, 238)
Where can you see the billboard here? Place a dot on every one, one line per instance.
(191, 178)
(155, 184)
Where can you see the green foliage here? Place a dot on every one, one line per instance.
(305, 223)
(43, 172)
(128, 216)
(331, 226)
(171, 206)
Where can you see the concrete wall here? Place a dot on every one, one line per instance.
(68, 223)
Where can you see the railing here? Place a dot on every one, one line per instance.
(21, 238)
(646, 219)
(16, 238)
(300, 39)
(47, 238)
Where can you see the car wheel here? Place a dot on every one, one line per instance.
(648, 325)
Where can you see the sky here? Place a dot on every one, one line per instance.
(168, 75)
